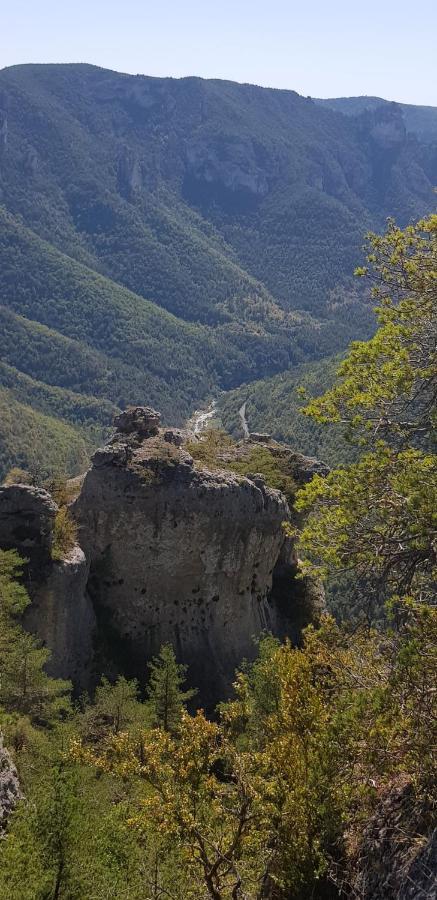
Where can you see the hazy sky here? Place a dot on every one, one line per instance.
(324, 48)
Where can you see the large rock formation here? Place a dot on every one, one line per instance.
(170, 551)
(60, 612)
(179, 554)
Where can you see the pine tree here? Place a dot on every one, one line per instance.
(166, 697)
(116, 707)
(25, 687)
(377, 516)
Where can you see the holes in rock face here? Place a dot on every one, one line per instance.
(143, 590)
(120, 581)
(195, 590)
(215, 598)
(176, 602)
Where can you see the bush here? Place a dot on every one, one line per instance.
(64, 534)
(18, 476)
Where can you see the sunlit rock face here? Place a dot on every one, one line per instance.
(10, 792)
(178, 554)
(168, 551)
(183, 554)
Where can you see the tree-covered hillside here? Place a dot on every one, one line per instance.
(419, 120)
(274, 405)
(164, 239)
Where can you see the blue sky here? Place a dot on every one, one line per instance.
(324, 48)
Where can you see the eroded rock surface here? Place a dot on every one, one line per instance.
(179, 554)
(10, 792)
(60, 613)
(170, 551)
(27, 516)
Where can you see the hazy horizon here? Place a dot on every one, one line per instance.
(321, 51)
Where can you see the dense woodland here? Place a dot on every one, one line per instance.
(139, 796)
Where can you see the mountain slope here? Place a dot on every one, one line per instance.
(419, 120)
(164, 239)
(177, 188)
(273, 406)
(40, 443)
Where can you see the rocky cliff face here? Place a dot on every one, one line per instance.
(180, 554)
(60, 612)
(397, 858)
(170, 551)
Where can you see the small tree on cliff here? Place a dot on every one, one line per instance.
(167, 699)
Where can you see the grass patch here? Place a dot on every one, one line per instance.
(217, 450)
(64, 534)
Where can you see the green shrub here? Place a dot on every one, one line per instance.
(64, 534)
(18, 476)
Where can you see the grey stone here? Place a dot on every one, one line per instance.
(10, 792)
(142, 420)
(27, 517)
(60, 613)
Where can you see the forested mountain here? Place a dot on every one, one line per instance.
(274, 405)
(162, 239)
(419, 120)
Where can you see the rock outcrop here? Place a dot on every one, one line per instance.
(178, 553)
(27, 516)
(170, 551)
(397, 858)
(60, 613)
(10, 792)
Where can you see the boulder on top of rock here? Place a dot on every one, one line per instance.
(140, 419)
(259, 437)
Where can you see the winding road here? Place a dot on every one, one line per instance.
(200, 418)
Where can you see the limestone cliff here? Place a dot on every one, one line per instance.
(170, 551)
(60, 612)
(179, 553)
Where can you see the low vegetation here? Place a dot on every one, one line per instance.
(64, 533)
(217, 450)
